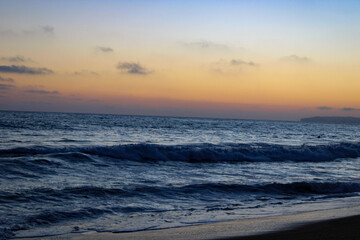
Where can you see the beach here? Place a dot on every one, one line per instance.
(341, 223)
(180, 120)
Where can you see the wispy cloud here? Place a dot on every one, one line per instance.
(347, 109)
(85, 72)
(104, 49)
(325, 108)
(296, 59)
(41, 30)
(206, 45)
(133, 68)
(44, 30)
(16, 59)
(47, 29)
(6, 86)
(2, 79)
(25, 70)
(35, 91)
(232, 66)
(350, 109)
(237, 62)
(8, 33)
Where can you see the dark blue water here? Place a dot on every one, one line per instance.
(64, 173)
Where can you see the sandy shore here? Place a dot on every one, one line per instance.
(342, 228)
(327, 224)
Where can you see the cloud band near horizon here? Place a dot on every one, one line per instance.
(25, 70)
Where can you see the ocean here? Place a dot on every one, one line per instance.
(66, 172)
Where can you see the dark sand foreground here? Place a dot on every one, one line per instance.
(336, 224)
(343, 228)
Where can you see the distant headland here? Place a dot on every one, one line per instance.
(348, 120)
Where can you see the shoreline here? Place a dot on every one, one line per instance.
(340, 223)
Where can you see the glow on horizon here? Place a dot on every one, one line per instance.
(240, 59)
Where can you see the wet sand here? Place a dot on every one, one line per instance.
(341, 223)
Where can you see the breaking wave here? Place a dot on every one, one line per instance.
(257, 152)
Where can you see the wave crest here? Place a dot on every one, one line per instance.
(257, 152)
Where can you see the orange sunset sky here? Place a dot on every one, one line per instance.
(280, 60)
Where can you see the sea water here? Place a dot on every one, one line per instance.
(63, 172)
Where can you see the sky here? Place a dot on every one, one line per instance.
(276, 60)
